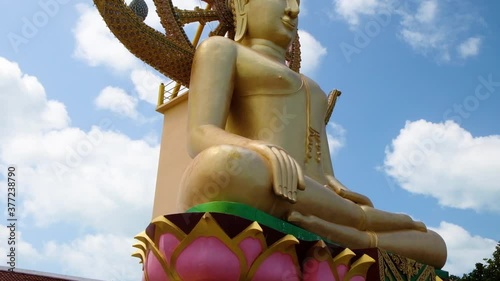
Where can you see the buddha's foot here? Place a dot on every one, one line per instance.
(420, 226)
(381, 221)
(341, 234)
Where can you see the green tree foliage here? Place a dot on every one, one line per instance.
(487, 271)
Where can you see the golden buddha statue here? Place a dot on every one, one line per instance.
(257, 129)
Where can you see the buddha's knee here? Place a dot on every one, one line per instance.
(440, 252)
(224, 172)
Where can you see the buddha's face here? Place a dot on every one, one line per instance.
(274, 20)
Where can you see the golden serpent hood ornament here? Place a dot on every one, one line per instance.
(171, 53)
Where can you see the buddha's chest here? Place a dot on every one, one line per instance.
(258, 75)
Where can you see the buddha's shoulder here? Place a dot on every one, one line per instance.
(218, 44)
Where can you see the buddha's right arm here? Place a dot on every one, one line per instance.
(210, 93)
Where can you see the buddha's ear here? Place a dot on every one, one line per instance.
(240, 10)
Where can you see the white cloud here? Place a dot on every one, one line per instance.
(353, 10)
(446, 162)
(25, 108)
(421, 40)
(427, 11)
(103, 257)
(469, 47)
(434, 27)
(118, 101)
(311, 52)
(430, 27)
(99, 256)
(71, 175)
(464, 249)
(146, 85)
(92, 180)
(96, 45)
(424, 41)
(336, 137)
(79, 176)
(422, 30)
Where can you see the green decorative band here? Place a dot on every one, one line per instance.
(388, 269)
(443, 274)
(252, 214)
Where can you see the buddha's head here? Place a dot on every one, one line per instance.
(274, 20)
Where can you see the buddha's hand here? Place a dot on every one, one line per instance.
(344, 192)
(287, 173)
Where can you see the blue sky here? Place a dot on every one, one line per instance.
(416, 128)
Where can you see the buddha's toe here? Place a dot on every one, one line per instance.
(295, 217)
(420, 226)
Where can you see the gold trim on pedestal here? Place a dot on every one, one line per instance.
(395, 267)
(207, 226)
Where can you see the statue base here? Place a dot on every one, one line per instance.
(226, 241)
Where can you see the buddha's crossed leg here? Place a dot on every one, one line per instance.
(231, 173)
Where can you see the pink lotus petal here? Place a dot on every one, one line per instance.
(154, 269)
(342, 271)
(357, 278)
(317, 271)
(277, 267)
(167, 244)
(208, 259)
(251, 248)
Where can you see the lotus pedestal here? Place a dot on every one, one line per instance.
(224, 241)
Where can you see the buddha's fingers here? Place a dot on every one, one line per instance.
(294, 179)
(283, 170)
(276, 171)
(344, 192)
(290, 173)
(345, 235)
(282, 173)
(357, 198)
(334, 184)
